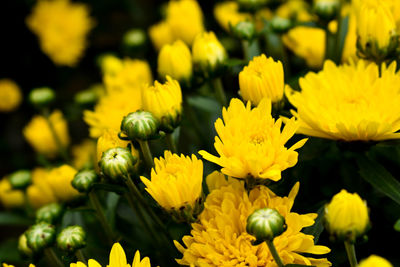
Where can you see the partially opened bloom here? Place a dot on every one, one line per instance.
(349, 102)
(298, 10)
(250, 142)
(10, 95)
(38, 134)
(117, 259)
(263, 77)
(62, 27)
(375, 261)
(227, 14)
(161, 34)
(220, 237)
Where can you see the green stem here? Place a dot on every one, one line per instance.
(79, 255)
(148, 157)
(100, 215)
(52, 257)
(171, 143)
(328, 44)
(61, 148)
(246, 50)
(219, 91)
(339, 32)
(284, 57)
(351, 254)
(274, 253)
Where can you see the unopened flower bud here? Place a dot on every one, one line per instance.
(71, 239)
(23, 246)
(245, 30)
(280, 25)
(40, 236)
(41, 97)
(326, 10)
(50, 213)
(84, 180)
(140, 125)
(134, 38)
(265, 224)
(20, 179)
(117, 163)
(90, 95)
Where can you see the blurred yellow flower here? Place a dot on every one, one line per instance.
(298, 10)
(117, 259)
(227, 14)
(185, 19)
(175, 181)
(60, 179)
(175, 60)
(10, 198)
(251, 143)
(110, 64)
(164, 101)
(346, 215)
(38, 134)
(375, 261)
(349, 102)
(220, 237)
(84, 154)
(40, 193)
(161, 34)
(208, 52)
(10, 95)
(263, 77)
(62, 27)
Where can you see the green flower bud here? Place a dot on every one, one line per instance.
(23, 246)
(50, 213)
(134, 38)
(40, 236)
(20, 179)
(41, 97)
(326, 9)
(265, 224)
(90, 95)
(84, 180)
(117, 163)
(245, 30)
(71, 239)
(188, 213)
(280, 25)
(140, 125)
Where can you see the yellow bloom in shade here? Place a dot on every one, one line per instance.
(263, 77)
(220, 237)
(346, 215)
(8, 265)
(60, 179)
(164, 101)
(161, 34)
(375, 261)
(251, 143)
(62, 27)
(185, 19)
(84, 154)
(175, 181)
(39, 136)
(117, 259)
(9, 197)
(208, 52)
(227, 14)
(298, 10)
(350, 102)
(40, 193)
(110, 64)
(10, 95)
(307, 43)
(175, 60)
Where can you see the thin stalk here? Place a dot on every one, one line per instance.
(171, 143)
(338, 49)
(100, 215)
(246, 50)
(79, 255)
(328, 44)
(61, 148)
(52, 257)
(148, 157)
(274, 253)
(351, 254)
(219, 91)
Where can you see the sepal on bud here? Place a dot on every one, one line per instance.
(187, 213)
(280, 25)
(84, 180)
(327, 10)
(41, 97)
(20, 179)
(141, 125)
(40, 236)
(117, 163)
(71, 239)
(245, 30)
(265, 224)
(50, 213)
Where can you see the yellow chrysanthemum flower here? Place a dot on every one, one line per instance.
(208, 52)
(117, 259)
(8, 265)
(62, 27)
(263, 77)
(375, 261)
(60, 179)
(299, 10)
(40, 193)
(10, 198)
(84, 154)
(227, 14)
(161, 34)
(175, 181)
(10, 95)
(346, 215)
(251, 143)
(40, 137)
(220, 237)
(350, 102)
(110, 64)
(164, 101)
(185, 19)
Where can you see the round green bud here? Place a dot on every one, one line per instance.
(40, 236)
(117, 163)
(71, 239)
(280, 25)
(23, 246)
(265, 224)
(20, 179)
(41, 97)
(49, 213)
(134, 38)
(140, 125)
(245, 30)
(84, 180)
(89, 96)
(326, 9)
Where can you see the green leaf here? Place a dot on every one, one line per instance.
(205, 103)
(318, 226)
(111, 203)
(379, 178)
(110, 188)
(397, 226)
(9, 218)
(233, 62)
